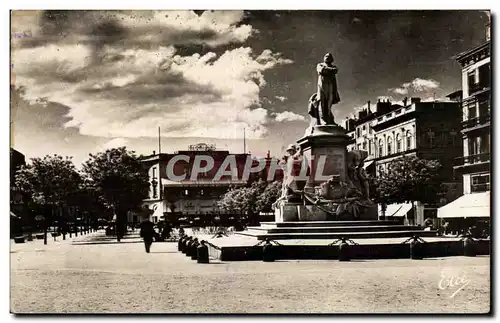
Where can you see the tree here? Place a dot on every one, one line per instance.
(118, 176)
(270, 194)
(46, 184)
(251, 200)
(408, 179)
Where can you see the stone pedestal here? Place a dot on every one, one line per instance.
(325, 150)
(311, 213)
(286, 212)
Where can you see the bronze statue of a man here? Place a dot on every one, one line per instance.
(327, 94)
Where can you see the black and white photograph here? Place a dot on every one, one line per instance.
(250, 161)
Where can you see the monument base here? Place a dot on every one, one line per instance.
(311, 213)
(324, 147)
(287, 212)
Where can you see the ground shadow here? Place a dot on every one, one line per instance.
(103, 242)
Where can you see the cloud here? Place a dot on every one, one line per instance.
(400, 90)
(415, 86)
(288, 116)
(132, 28)
(281, 98)
(126, 96)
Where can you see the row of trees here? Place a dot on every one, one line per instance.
(405, 180)
(112, 182)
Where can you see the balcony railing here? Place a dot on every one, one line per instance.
(474, 88)
(475, 188)
(470, 123)
(472, 159)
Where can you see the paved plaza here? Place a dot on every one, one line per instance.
(91, 274)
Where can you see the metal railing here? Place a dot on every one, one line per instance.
(469, 123)
(472, 159)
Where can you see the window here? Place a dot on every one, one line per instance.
(154, 172)
(480, 183)
(484, 107)
(389, 145)
(472, 111)
(358, 132)
(369, 147)
(186, 192)
(364, 145)
(484, 75)
(430, 138)
(380, 148)
(484, 145)
(473, 143)
(472, 80)
(359, 146)
(398, 143)
(364, 127)
(408, 140)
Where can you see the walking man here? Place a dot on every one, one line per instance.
(147, 233)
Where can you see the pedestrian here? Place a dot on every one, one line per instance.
(147, 233)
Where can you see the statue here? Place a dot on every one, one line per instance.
(327, 94)
(291, 164)
(358, 179)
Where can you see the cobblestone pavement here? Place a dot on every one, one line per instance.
(83, 276)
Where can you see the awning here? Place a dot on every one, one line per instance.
(474, 205)
(395, 210)
(169, 183)
(367, 164)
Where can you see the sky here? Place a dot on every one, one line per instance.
(85, 81)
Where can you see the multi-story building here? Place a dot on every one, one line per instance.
(474, 165)
(200, 195)
(429, 130)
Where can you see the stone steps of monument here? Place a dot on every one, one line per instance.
(337, 235)
(357, 228)
(327, 223)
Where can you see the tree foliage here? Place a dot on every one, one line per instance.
(118, 178)
(256, 198)
(408, 179)
(49, 181)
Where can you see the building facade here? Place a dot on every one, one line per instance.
(200, 195)
(428, 130)
(476, 126)
(473, 208)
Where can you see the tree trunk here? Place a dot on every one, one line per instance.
(120, 223)
(45, 233)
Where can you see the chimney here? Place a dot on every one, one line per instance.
(154, 152)
(369, 110)
(268, 154)
(415, 100)
(405, 100)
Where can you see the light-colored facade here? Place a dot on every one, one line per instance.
(189, 197)
(476, 130)
(474, 207)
